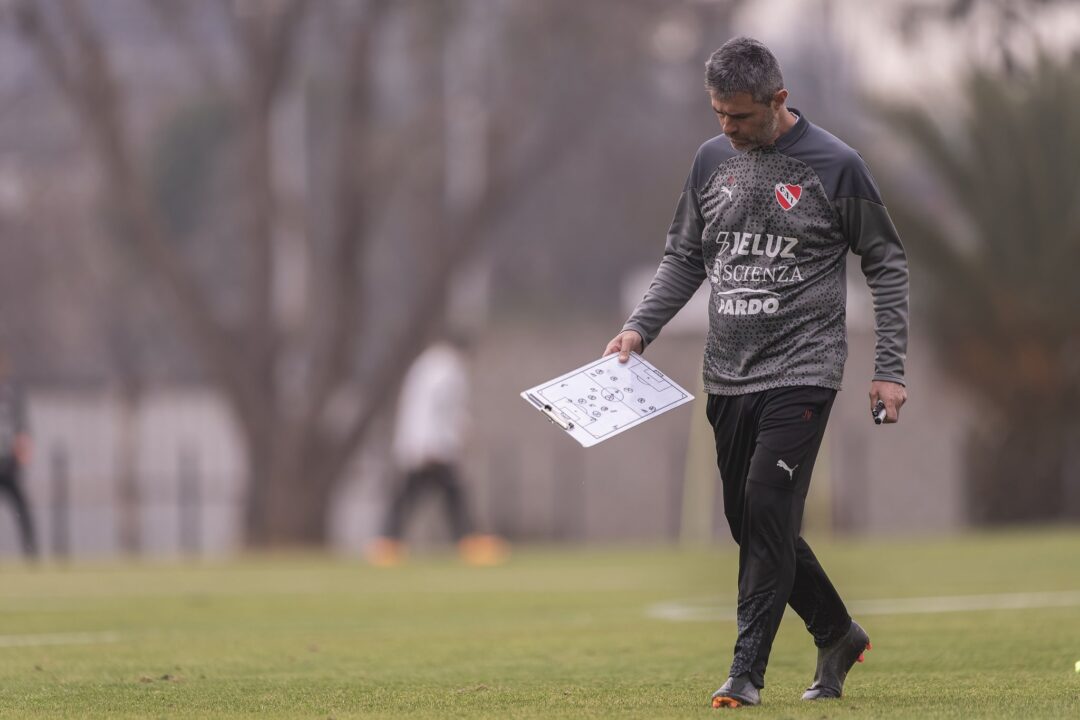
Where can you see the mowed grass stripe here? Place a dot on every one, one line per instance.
(14, 641)
(709, 611)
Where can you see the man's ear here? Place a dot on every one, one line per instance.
(779, 98)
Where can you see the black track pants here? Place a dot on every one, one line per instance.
(766, 444)
(10, 485)
(438, 477)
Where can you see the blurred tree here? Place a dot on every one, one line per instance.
(306, 273)
(1011, 22)
(999, 264)
(633, 73)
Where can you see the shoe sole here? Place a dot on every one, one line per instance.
(725, 702)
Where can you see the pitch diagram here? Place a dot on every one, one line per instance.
(606, 397)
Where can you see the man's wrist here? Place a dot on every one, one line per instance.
(640, 334)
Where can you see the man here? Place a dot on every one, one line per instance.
(15, 455)
(768, 214)
(429, 445)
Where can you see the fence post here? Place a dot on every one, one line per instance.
(188, 501)
(677, 459)
(569, 512)
(61, 500)
(503, 481)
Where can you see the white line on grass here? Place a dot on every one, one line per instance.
(87, 638)
(710, 610)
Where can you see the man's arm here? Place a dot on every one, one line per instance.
(678, 277)
(873, 237)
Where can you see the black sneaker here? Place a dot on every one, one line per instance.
(736, 692)
(835, 661)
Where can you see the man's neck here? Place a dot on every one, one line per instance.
(787, 121)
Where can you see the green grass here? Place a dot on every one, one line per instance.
(556, 633)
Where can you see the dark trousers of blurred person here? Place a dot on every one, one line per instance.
(434, 477)
(11, 486)
(443, 479)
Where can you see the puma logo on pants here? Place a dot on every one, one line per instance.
(790, 470)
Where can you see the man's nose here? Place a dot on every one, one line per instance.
(728, 126)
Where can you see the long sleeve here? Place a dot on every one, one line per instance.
(872, 236)
(681, 269)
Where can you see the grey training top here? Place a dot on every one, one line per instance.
(771, 228)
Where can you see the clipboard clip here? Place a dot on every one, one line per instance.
(552, 414)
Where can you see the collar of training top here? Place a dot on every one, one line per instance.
(793, 135)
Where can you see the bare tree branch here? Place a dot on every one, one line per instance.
(175, 20)
(457, 247)
(268, 50)
(266, 37)
(93, 94)
(281, 45)
(30, 25)
(349, 242)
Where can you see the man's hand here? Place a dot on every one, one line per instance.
(894, 395)
(624, 343)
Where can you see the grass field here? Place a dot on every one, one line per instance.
(555, 633)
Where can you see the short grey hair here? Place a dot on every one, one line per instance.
(743, 64)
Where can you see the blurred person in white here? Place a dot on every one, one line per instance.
(15, 449)
(429, 446)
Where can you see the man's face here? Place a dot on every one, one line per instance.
(747, 124)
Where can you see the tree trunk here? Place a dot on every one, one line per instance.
(1015, 472)
(288, 499)
(127, 481)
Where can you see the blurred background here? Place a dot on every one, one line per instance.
(227, 227)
